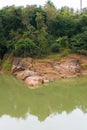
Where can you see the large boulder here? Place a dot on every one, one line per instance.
(24, 74)
(34, 80)
(68, 68)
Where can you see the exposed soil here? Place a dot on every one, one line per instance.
(82, 59)
(38, 71)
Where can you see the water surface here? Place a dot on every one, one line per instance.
(60, 105)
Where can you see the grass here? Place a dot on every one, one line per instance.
(58, 56)
(84, 66)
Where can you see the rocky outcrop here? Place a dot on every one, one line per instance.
(20, 64)
(25, 73)
(69, 68)
(36, 72)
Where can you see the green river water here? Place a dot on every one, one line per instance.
(60, 105)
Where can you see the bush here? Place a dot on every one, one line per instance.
(3, 50)
(25, 47)
(0, 63)
(7, 65)
(79, 43)
(84, 52)
(84, 66)
(55, 47)
(60, 44)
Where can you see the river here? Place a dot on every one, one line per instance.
(61, 105)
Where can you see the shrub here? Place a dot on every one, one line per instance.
(7, 65)
(84, 52)
(55, 47)
(84, 66)
(25, 47)
(60, 44)
(79, 43)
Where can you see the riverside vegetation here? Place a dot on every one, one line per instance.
(39, 32)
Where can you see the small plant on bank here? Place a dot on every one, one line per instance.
(7, 65)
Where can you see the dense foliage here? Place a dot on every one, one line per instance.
(37, 31)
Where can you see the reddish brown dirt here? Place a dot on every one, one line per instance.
(82, 59)
(45, 66)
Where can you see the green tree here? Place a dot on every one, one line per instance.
(79, 43)
(42, 41)
(39, 20)
(12, 19)
(3, 50)
(25, 47)
(66, 11)
(62, 26)
(50, 10)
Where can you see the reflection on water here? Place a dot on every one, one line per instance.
(24, 109)
(73, 121)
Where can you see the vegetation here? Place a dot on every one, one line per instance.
(7, 65)
(38, 31)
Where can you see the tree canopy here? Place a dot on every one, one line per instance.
(37, 31)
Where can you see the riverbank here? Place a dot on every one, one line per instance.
(35, 72)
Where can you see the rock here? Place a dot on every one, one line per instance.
(20, 64)
(24, 74)
(33, 80)
(15, 64)
(46, 81)
(69, 68)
